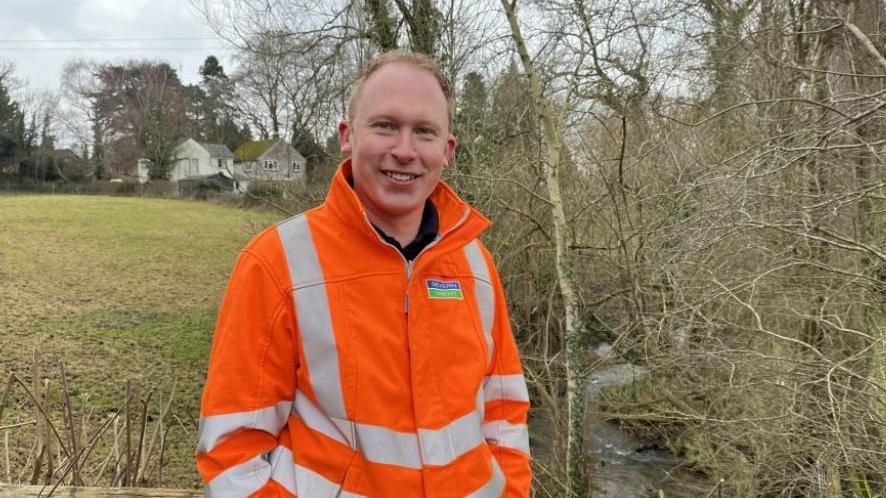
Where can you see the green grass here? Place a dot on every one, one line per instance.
(118, 289)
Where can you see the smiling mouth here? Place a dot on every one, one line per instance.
(400, 177)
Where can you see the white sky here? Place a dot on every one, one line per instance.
(38, 36)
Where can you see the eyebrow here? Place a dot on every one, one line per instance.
(423, 123)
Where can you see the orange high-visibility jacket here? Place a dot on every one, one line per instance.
(339, 369)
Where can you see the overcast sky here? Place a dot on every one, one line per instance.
(40, 35)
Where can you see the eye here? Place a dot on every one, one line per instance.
(384, 125)
(425, 130)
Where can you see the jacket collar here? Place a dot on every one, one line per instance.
(459, 222)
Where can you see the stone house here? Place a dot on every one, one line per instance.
(269, 160)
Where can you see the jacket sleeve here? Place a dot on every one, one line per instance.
(250, 384)
(506, 400)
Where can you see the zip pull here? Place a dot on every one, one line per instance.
(409, 266)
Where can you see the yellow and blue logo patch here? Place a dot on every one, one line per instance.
(440, 289)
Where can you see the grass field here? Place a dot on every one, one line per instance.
(118, 289)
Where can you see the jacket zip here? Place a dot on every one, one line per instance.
(410, 265)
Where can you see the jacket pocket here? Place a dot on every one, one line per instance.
(351, 483)
(313, 483)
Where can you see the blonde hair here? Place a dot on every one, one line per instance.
(418, 60)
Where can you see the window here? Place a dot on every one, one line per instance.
(296, 166)
(221, 163)
(247, 166)
(270, 165)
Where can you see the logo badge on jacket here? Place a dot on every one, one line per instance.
(440, 289)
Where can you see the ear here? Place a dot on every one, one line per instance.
(344, 136)
(451, 144)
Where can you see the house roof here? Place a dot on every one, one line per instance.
(217, 150)
(251, 151)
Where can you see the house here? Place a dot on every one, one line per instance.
(201, 159)
(196, 159)
(269, 160)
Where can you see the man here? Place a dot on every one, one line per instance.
(363, 348)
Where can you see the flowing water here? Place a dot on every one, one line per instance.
(624, 466)
(627, 467)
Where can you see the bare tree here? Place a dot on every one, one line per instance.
(552, 122)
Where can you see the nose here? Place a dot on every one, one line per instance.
(404, 150)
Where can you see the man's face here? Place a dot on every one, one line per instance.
(399, 142)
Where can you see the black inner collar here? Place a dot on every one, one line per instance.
(427, 232)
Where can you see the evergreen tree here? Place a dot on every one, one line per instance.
(471, 124)
(314, 153)
(11, 129)
(212, 70)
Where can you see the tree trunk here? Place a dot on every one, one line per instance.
(576, 359)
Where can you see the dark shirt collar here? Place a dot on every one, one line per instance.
(427, 231)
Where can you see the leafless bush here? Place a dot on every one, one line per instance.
(55, 439)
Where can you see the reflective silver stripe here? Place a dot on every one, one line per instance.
(443, 446)
(494, 487)
(507, 435)
(318, 421)
(382, 445)
(312, 310)
(213, 429)
(310, 483)
(483, 290)
(240, 480)
(283, 468)
(509, 387)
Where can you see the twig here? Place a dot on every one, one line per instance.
(158, 430)
(119, 472)
(84, 454)
(716, 488)
(162, 452)
(5, 395)
(127, 427)
(69, 425)
(45, 417)
(115, 449)
(866, 42)
(104, 464)
(40, 449)
(182, 425)
(93, 441)
(6, 454)
(141, 438)
(746, 104)
(31, 454)
(15, 426)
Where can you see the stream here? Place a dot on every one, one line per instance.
(624, 467)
